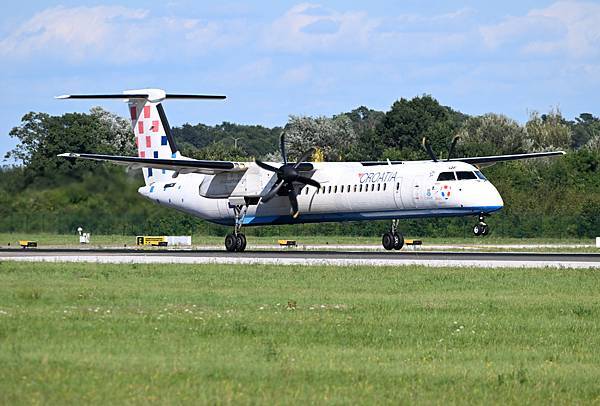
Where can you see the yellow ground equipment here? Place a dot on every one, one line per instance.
(27, 244)
(155, 241)
(414, 244)
(287, 243)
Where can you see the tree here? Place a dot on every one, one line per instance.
(586, 131)
(369, 145)
(548, 131)
(254, 140)
(334, 136)
(219, 151)
(492, 134)
(42, 137)
(408, 121)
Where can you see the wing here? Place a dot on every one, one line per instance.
(178, 165)
(483, 161)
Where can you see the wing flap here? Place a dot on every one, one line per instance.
(178, 165)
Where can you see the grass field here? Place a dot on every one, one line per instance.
(84, 333)
(117, 240)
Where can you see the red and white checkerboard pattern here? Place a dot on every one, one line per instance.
(150, 137)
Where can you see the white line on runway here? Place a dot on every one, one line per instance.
(150, 259)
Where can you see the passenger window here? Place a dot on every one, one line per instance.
(480, 175)
(372, 187)
(397, 185)
(378, 187)
(335, 189)
(329, 189)
(464, 175)
(446, 176)
(355, 188)
(384, 186)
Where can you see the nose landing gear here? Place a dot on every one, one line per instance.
(236, 241)
(481, 228)
(393, 239)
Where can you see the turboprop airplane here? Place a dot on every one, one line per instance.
(262, 193)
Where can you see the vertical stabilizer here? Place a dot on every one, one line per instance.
(153, 136)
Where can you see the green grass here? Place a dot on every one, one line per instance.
(45, 239)
(86, 333)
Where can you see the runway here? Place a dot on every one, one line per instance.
(297, 257)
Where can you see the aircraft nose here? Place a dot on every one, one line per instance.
(495, 201)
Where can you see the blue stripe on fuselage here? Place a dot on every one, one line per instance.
(360, 216)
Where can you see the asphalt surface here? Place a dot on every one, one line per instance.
(292, 257)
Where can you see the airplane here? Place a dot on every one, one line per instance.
(260, 193)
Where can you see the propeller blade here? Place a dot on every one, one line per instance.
(304, 157)
(293, 202)
(273, 191)
(427, 146)
(282, 148)
(266, 166)
(451, 150)
(308, 181)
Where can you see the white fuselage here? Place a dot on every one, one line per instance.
(349, 191)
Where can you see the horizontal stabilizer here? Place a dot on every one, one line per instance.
(177, 165)
(141, 96)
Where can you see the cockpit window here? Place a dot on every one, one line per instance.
(480, 175)
(446, 176)
(464, 175)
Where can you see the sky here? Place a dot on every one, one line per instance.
(276, 58)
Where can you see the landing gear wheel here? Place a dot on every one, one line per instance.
(240, 245)
(481, 229)
(388, 241)
(230, 242)
(398, 241)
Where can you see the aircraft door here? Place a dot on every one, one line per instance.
(398, 193)
(418, 191)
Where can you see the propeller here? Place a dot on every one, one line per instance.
(287, 175)
(451, 149)
(427, 146)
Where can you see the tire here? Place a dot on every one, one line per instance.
(398, 241)
(388, 241)
(485, 230)
(240, 245)
(230, 242)
(477, 230)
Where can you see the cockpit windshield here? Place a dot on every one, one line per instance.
(446, 176)
(460, 175)
(465, 175)
(480, 175)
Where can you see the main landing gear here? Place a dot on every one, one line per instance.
(481, 228)
(393, 239)
(236, 242)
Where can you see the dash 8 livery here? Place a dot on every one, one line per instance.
(239, 194)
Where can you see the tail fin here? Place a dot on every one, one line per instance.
(153, 135)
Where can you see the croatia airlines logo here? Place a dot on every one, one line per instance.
(445, 191)
(375, 177)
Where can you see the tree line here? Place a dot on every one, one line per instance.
(545, 198)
